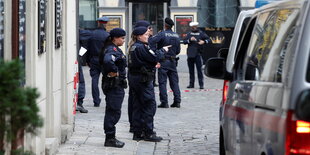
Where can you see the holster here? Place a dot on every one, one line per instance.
(147, 75)
(113, 82)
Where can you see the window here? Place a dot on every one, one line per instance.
(267, 48)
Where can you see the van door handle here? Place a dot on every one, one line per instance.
(265, 108)
(239, 91)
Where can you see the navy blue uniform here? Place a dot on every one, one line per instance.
(84, 36)
(141, 63)
(94, 46)
(113, 87)
(194, 55)
(168, 67)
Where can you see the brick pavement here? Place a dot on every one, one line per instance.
(192, 129)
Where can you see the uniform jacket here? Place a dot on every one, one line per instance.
(140, 55)
(193, 47)
(96, 43)
(114, 60)
(165, 38)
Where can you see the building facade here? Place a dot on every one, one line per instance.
(42, 33)
(125, 13)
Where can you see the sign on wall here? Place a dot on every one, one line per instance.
(182, 24)
(58, 23)
(42, 26)
(114, 22)
(22, 30)
(1, 29)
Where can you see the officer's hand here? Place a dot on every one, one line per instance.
(112, 74)
(201, 42)
(157, 65)
(166, 48)
(193, 39)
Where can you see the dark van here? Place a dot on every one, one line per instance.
(267, 110)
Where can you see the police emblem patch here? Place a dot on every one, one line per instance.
(113, 58)
(114, 49)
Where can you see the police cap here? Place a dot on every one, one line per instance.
(193, 24)
(169, 21)
(142, 23)
(103, 19)
(139, 30)
(117, 32)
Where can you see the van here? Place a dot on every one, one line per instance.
(267, 110)
(241, 24)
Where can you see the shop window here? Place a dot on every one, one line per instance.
(152, 12)
(88, 14)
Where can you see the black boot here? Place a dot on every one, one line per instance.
(138, 136)
(131, 129)
(81, 109)
(163, 105)
(190, 86)
(113, 142)
(151, 137)
(175, 105)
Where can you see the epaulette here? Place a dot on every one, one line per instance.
(132, 48)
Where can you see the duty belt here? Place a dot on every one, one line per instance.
(170, 57)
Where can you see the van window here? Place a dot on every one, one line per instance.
(267, 48)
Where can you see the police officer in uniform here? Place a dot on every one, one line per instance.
(141, 66)
(95, 44)
(195, 39)
(168, 68)
(146, 24)
(113, 63)
(84, 36)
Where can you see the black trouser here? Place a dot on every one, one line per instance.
(81, 90)
(191, 66)
(114, 99)
(144, 104)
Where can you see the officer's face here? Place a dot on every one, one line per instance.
(150, 30)
(119, 41)
(144, 37)
(194, 28)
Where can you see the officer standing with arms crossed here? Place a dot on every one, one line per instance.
(168, 68)
(95, 44)
(195, 39)
(141, 64)
(113, 63)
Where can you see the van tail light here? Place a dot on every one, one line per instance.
(297, 136)
(225, 91)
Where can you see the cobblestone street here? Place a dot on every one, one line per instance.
(192, 129)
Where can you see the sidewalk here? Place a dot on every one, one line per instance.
(192, 129)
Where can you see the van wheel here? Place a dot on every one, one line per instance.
(222, 147)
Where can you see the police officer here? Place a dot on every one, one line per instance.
(141, 66)
(99, 36)
(146, 24)
(84, 36)
(168, 68)
(113, 63)
(195, 39)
